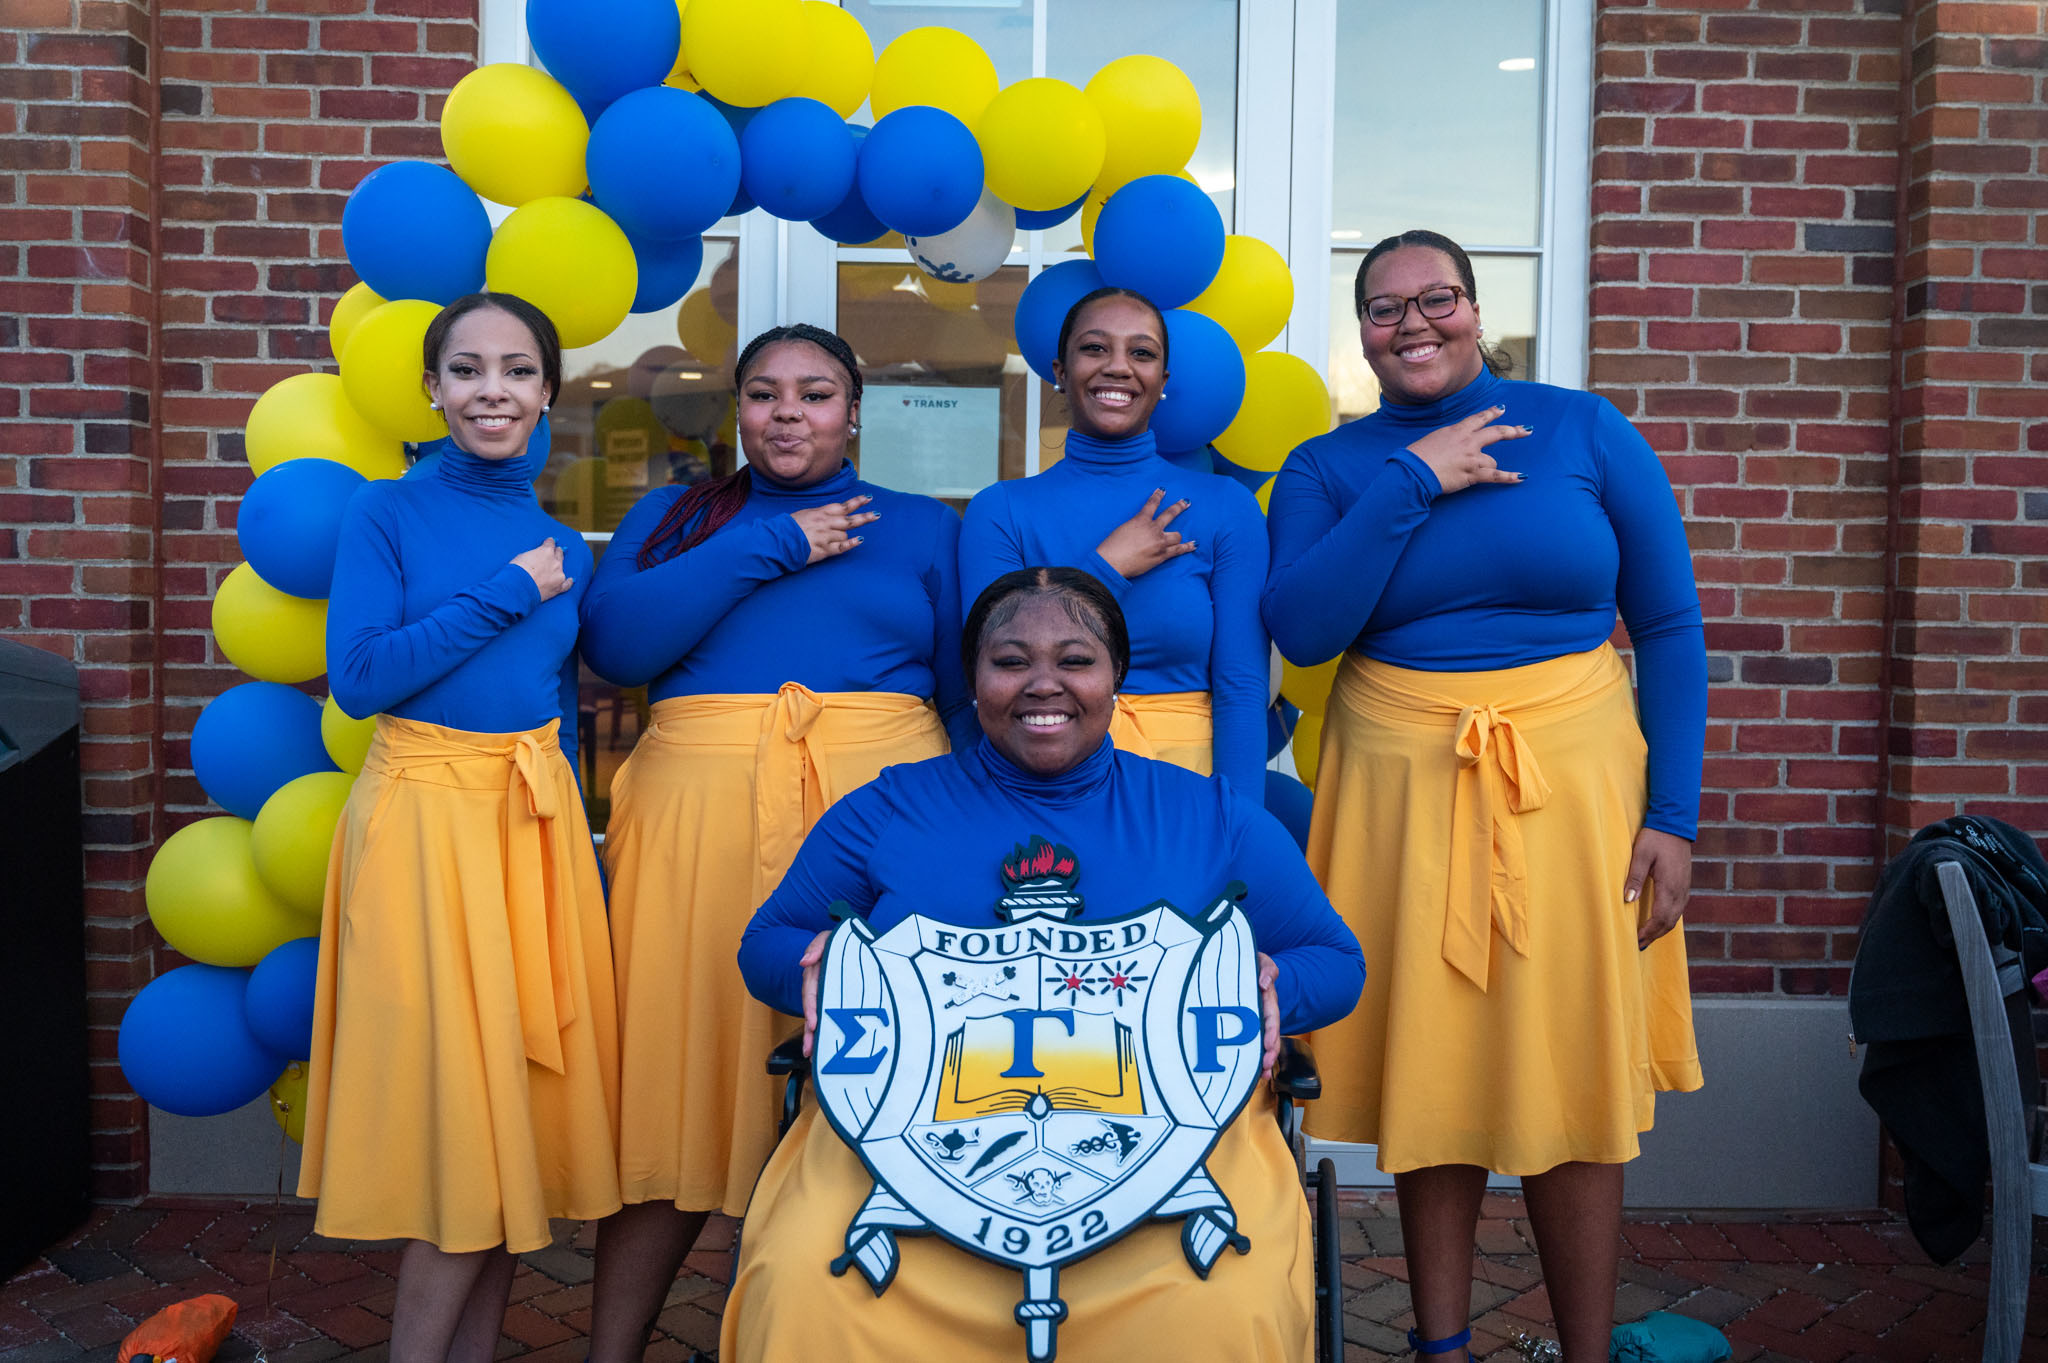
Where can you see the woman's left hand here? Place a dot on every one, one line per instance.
(1269, 1010)
(1665, 861)
(813, 955)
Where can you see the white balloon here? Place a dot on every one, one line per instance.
(974, 250)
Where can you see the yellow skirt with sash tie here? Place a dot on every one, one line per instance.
(464, 1079)
(1475, 829)
(1171, 726)
(707, 815)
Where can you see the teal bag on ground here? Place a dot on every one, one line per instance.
(1663, 1337)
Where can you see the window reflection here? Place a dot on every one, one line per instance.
(943, 413)
(1507, 304)
(1439, 122)
(649, 405)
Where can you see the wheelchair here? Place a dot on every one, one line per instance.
(1295, 1081)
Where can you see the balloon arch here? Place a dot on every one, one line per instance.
(654, 120)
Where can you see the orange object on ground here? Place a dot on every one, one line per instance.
(187, 1331)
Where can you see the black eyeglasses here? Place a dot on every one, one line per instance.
(1389, 308)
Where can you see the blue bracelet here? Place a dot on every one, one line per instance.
(1439, 1346)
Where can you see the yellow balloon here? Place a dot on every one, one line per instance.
(514, 134)
(1041, 143)
(704, 333)
(941, 67)
(208, 902)
(346, 739)
(1308, 747)
(1308, 687)
(734, 48)
(1265, 494)
(294, 833)
(1252, 294)
(384, 373)
(679, 70)
(1285, 403)
(569, 260)
(351, 308)
(308, 416)
(837, 60)
(288, 1101)
(269, 635)
(1152, 114)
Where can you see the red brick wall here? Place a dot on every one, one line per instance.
(128, 389)
(1744, 200)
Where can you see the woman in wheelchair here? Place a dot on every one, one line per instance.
(1044, 798)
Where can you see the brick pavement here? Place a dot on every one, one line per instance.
(1813, 1288)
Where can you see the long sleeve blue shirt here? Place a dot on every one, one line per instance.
(740, 614)
(929, 838)
(1194, 620)
(431, 620)
(1368, 554)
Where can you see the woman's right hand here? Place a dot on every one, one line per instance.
(1457, 455)
(544, 565)
(828, 526)
(1144, 542)
(810, 961)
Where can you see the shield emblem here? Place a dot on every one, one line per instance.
(1034, 1091)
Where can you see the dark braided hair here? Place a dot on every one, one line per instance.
(1108, 291)
(1496, 360)
(1081, 595)
(711, 504)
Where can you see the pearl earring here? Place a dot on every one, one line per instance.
(1482, 331)
(853, 428)
(433, 406)
(1059, 388)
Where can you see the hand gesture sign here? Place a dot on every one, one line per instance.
(1457, 455)
(828, 526)
(1144, 542)
(544, 565)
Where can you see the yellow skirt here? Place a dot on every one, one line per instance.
(464, 1079)
(1138, 1299)
(1172, 726)
(707, 814)
(1474, 829)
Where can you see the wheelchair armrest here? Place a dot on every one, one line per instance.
(789, 1059)
(1294, 1074)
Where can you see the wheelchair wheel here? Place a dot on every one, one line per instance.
(1329, 1245)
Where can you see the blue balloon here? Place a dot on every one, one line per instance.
(1204, 382)
(663, 164)
(603, 51)
(1253, 479)
(290, 522)
(1292, 803)
(736, 117)
(414, 230)
(1194, 461)
(797, 159)
(1042, 309)
(1161, 236)
(278, 1002)
(1281, 717)
(920, 171)
(1037, 221)
(186, 1047)
(667, 270)
(852, 223)
(251, 739)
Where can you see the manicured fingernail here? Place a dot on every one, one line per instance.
(862, 539)
(1628, 896)
(1642, 946)
(1521, 477)
(1528, 430)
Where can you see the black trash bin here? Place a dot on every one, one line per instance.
(45, 1141)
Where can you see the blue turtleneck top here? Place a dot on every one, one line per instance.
(431, 620)
(1368, 555)
(930, 838)
(1194, 620)
(741, 614)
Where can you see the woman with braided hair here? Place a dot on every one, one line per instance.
(799, 630)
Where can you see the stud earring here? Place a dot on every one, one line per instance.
(433, 406)
(1059, 388)
(547, 406)
(1482, 331)
(853, 428)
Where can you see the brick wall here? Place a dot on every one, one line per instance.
(1745, 179)
(130, 371)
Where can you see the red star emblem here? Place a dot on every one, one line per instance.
(1074, 983)
(1119, 981)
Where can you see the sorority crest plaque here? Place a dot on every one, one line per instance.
(1032, 1092)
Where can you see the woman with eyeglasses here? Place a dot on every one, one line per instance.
(1505, 828)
